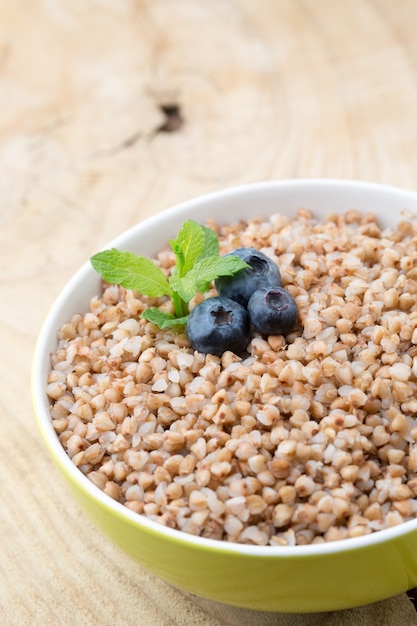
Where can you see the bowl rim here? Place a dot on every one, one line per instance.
(63, 461)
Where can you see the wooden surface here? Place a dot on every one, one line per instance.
(111, 110)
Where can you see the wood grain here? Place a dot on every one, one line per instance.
(110, 111)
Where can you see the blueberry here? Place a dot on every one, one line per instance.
(272, 311)
(218, 324)
(263, 273)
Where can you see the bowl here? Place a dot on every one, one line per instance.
(305, 578)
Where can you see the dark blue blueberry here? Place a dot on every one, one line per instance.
(272, 311)
(263, 273)
(218, 324)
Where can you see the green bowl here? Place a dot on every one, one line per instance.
(317, 577)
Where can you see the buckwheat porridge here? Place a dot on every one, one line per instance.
(305, 438)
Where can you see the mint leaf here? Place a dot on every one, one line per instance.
(211, 243)
(203, 273)
(179, 257)
(132, 272)
(162, 319)
(188, 245)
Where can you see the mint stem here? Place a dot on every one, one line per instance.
(180, 306)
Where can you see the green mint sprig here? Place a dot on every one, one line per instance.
(197, 264)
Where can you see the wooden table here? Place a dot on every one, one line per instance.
(111, 110)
